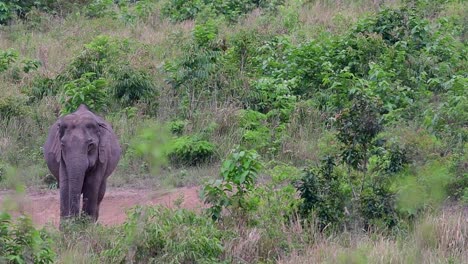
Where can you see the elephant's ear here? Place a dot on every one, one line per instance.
(104, 136)
(56, 148)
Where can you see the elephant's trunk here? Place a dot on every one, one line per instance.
(76, 170)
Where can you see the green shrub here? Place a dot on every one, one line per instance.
(41, 87)
(30, 65)
(258, 139)
(193, 76)
(7, 58)
(239, 172)
(274, 211)
(357, 126)
(13, 105)
(20, 242)
(190, 150)
(24, 8)
(179, 10)
(99, 8)
(6, 12)
(448, 117)
(96, 57)
(324, 193)
(84, 91)
(177, 127)
(129, 11)
(105, 58)
(378, 207)
(205, 33)
(162, 235)
(395, 25)
(130, 85)
(282, 173)
(252, 120)
(458, 185)
(273, 97)
(256, 135)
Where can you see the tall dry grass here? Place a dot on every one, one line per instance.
(437, 238)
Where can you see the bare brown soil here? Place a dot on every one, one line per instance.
(43, 205)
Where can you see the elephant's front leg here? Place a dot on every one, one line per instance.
(64, 195)
(90, 197)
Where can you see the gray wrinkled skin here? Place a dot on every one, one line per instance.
(81, 151)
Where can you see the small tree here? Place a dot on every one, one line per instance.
(322, 193)
(239, 172)
(357, 126)
(84, 91)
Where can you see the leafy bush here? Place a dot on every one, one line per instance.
(192, 74)
(378, 207)
(96, 57)
(42, 87)
(130, 85)
(128, 11)
(13, 105)
(273, 98)
(378, 197)
(257, 134)
(239, 172)
(178, 10)
(190, 150)
(177, 127)
(324, 193)
(448, 116)
(30, 65)
(7, 58)
(99, 8)
(24, 8)
(258, 139)
(205, 33)
(157, 234)
(395, 25)
(252, 120)
(20, 242)
(105, 58)
(357, 126)
(458, 186)
(6, 12)
(84, 91)
(283, 173)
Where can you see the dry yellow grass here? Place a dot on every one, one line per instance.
(435, 239)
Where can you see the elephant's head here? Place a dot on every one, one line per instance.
(81, 147)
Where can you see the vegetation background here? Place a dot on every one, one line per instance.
(318, 130)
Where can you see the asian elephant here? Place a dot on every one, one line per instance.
(81, 151)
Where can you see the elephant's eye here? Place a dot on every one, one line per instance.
(91, 147)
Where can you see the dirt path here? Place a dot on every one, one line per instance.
(43, 206)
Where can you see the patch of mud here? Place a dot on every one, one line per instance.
(43, 206)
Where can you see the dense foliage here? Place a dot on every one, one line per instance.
(22, 243)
